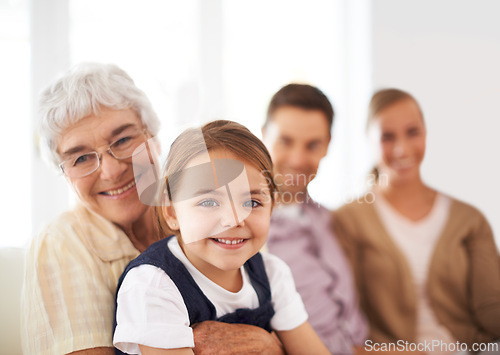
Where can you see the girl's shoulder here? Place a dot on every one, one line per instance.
(272, 261)
(275, 267)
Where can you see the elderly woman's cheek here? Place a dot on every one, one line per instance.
(117, 202)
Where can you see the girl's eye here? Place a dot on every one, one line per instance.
(208, 203)
(252, 204)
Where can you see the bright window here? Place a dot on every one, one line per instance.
(196, 60)
(16, 140)
(202, 60)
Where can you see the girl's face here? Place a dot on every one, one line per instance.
(221, 230)
(398, 133)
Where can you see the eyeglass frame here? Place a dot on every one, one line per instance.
(144, 131)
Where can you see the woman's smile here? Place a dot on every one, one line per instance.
(111, 190)
(120, 192)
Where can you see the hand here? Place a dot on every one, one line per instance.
(212, 337)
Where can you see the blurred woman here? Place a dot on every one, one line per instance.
(426, 264)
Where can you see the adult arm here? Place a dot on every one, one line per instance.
(212, 337)
(343, 228)
(163, 321)
(147, 350)
(484, 275)
(95, 351)
(345, 231)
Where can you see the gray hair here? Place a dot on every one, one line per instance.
(84, 90)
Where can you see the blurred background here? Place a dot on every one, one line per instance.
(199, 60)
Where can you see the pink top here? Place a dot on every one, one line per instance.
(302, 236)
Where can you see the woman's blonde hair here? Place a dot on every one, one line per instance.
(384, 98)
(220, 134)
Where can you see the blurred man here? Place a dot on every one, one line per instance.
(297, 134)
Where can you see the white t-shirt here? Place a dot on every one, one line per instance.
(151, 310)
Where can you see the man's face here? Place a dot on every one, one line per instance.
(297, 140)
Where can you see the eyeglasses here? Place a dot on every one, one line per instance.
(123, 148)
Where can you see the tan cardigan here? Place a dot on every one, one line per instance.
(463, 281)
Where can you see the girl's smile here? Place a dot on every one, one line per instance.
(229, 243)
(222, 229)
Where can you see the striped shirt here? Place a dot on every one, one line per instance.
(72, 269)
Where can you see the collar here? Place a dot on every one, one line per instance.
(102, 237)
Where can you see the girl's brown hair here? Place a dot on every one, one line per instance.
(220, 134)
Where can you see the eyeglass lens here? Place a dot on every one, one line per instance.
(122, 148)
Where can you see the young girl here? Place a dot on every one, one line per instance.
(219, 196)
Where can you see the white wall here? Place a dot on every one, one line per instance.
(49, 57)
(447, 54)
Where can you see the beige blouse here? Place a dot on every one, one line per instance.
(72, 269)
(463, 281)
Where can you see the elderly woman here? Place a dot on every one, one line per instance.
(94, 123)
